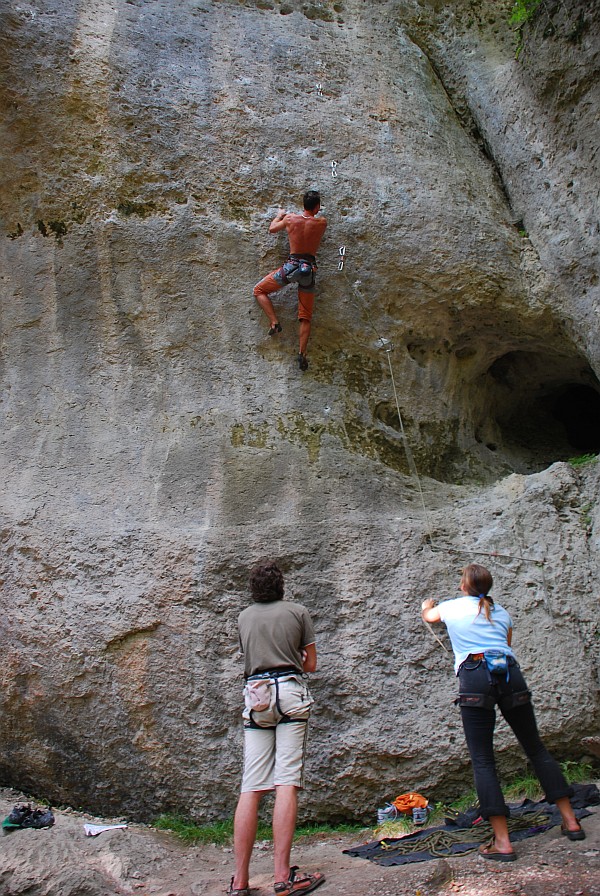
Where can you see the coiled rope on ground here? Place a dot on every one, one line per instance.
(439, 843)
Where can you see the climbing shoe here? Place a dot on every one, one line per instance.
(19, 814)
(39, 818)
(302, 361)
(276, 328)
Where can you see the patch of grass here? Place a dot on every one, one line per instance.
(396, 827)
(464, 802)
(522, 12)
(221, 832)
(308, 830)
(586, 517)
(583, 459)
(577, 772)
(526, 787)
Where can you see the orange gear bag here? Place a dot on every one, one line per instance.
(406, 802)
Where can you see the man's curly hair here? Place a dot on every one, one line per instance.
(266, 582)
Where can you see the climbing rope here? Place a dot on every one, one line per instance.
(440, 842)
(388, 347)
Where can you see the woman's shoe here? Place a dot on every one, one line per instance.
(573, 835)
(489, 851)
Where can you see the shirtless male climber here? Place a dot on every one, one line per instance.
(304, 233)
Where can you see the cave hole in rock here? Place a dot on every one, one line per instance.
(528, 410)
(543, 407)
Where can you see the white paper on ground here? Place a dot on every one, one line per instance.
(92, 830)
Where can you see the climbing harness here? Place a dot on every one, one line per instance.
(300, 269)
(258, 694)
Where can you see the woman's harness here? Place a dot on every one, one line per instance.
(497, 664)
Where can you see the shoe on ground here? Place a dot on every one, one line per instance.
(39, 818)
(573, 835)
(242, 891)
(19, 814)
(299, 882)
(302, 361)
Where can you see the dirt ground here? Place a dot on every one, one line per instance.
(62, 861)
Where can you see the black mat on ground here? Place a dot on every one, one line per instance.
(462, 835)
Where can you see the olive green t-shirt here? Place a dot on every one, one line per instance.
(272, 635)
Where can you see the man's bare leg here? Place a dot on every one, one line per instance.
(284, 825)
(267, 306)
(245, 825)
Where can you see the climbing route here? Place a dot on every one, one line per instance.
(344, 255)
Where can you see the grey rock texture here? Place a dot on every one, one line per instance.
(155, 442)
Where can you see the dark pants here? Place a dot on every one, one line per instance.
(479, 722)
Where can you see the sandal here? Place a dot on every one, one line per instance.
(299, 883)
(242, 891)
(276, 328)
(573, 835)
(489, 851)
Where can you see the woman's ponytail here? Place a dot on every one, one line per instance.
(477, 581)
(486, 604)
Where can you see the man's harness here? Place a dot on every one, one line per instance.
(271, 677)
(300, 269)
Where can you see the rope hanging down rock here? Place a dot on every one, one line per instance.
(388, 347)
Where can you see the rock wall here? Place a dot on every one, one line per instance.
(155, 442)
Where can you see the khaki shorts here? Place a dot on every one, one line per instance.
(275, 750)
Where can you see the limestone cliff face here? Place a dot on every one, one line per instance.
(155, 441)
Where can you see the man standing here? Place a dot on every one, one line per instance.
(304, 232)
(278, 643)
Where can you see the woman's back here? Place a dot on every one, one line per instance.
(469, 629)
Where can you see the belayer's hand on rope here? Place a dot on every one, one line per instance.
(429, 604)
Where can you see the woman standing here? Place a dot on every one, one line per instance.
(488, 674)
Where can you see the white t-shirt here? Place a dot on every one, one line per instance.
(470, 632)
